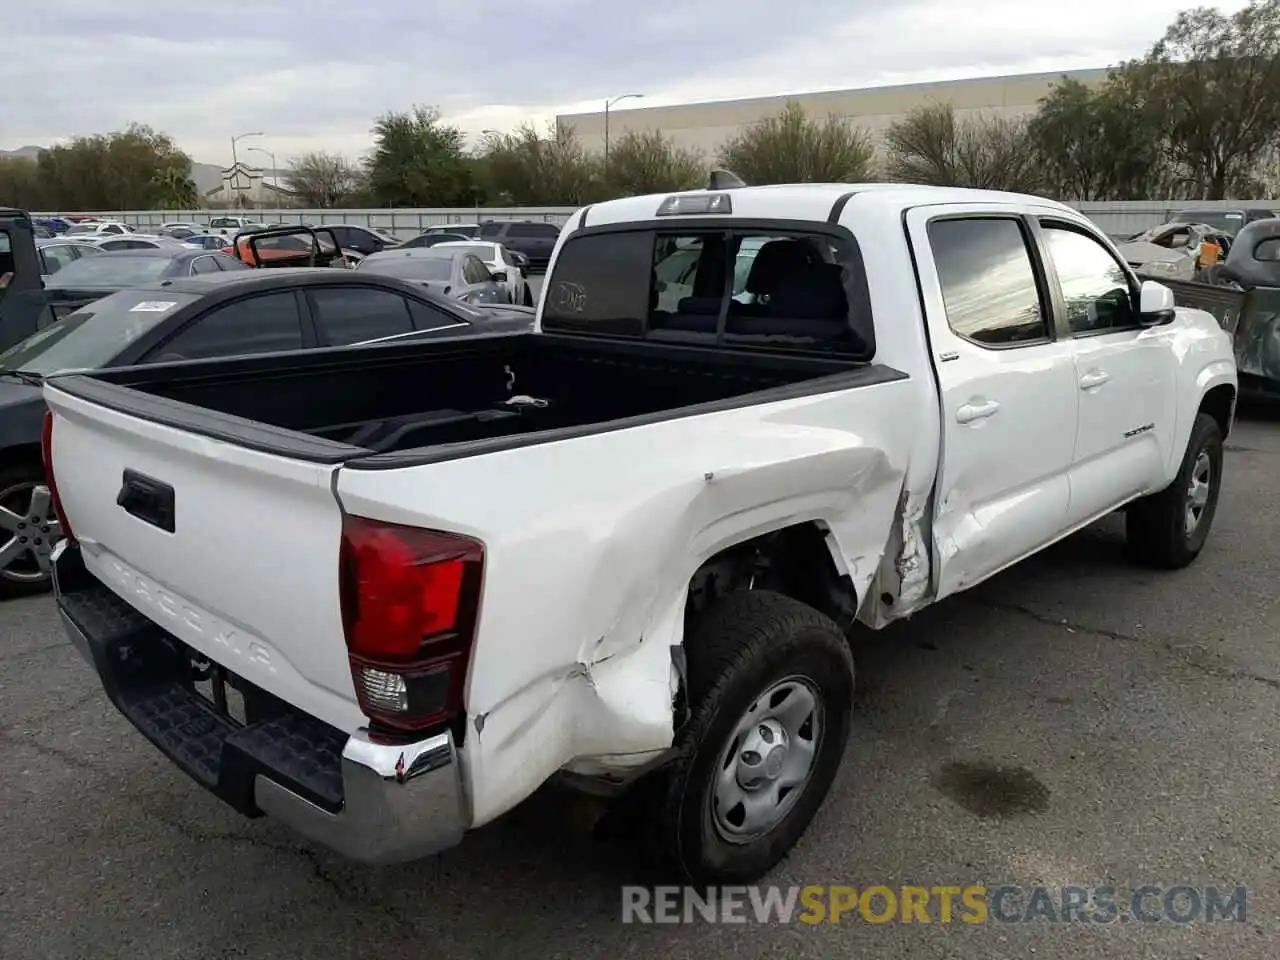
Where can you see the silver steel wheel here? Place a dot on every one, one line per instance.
(1198, 490)
(767, 761)
(28, 531)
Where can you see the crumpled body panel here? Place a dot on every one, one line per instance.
(591, 542)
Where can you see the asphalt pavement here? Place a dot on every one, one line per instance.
(1076, 721)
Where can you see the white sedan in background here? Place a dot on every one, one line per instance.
(498, 258)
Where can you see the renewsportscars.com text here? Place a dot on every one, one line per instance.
(971, 904)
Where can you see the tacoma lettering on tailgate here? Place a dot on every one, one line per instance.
(176, 611)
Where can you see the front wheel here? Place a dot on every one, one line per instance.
(770, 684)
(28, 531)
(1168, 529)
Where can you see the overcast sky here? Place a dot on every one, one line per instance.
(312, 74)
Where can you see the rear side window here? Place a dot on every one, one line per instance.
(732, 287)
(988, 283)
(348, 315)
(490, 229)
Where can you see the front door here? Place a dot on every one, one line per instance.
(1007, 389)
(1124, 374)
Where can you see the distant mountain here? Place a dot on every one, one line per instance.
(207, 176)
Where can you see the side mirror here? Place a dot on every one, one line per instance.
(1155, 304)
(498, 275)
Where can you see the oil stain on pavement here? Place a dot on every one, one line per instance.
(992, 791)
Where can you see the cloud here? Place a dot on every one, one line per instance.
(315, 74)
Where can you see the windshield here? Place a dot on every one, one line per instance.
(93, 336)
(111, 271)
(1229, 222)
(410, 268)
(82, 228)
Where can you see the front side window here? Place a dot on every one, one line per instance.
(257, 325)
(1094, 285)
(988, 283)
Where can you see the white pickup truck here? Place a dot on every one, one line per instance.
(383, 593)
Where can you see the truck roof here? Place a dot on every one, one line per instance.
(809, 201)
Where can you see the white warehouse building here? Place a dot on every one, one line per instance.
(705, 126)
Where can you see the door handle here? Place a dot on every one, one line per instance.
(1094, 378)
(969, 412)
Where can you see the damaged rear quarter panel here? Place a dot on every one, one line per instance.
(589, 547)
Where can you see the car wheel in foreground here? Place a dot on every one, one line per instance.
(1168, 529)
(28, 531)
(770, 683)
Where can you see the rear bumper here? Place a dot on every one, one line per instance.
(371, 801)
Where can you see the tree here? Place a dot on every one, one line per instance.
(642, 163)
(132, 169)
(540, 169)
(417, 161)
(1098, 144)
(20, 184)
(932, 145)
(323, 180)
(1212, 85)
(792, 147)
(174, 190)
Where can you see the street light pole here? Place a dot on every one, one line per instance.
(235, 160)
(607, 105)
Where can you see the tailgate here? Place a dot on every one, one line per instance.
(232, 550)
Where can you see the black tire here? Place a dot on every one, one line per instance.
(528, 296)
(15, 479)
(1156, 526)
(741, 649)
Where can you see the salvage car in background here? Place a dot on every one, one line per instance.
(91, 279)
(212, 315)
(446, 270)
(433, 239)
(500, 262)
(1244, 295)
(290, 246)
(362, 240)
(532, 239)
(58, 253)
(1176, 250)
(1228, 221)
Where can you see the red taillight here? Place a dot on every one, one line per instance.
(410, 600)
(46, 454)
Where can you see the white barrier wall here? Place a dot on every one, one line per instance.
(1121, 218)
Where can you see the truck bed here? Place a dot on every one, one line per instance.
(391, 405)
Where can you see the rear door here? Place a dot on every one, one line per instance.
(1007, 390)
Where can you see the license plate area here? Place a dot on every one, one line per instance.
(219, 687)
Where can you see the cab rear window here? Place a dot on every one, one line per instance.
(742, 287)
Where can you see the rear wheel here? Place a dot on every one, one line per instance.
(528, 296)
(770, 684)
(28, 531)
